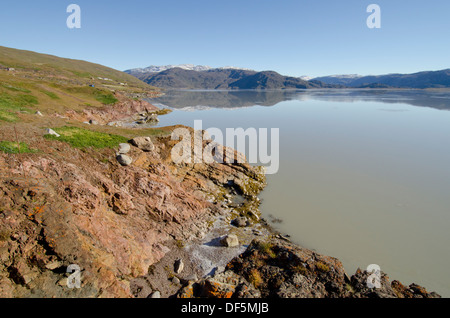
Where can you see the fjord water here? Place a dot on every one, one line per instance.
(364, 174)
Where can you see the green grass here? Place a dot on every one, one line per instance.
(48, 66)
(13, 147)
(83, 138)
(8, 116)
(100, 95)
(105, 98)
(14, 103)
(26, 100)
(19, 102)
(50, 94)
(266, 248)
(14, 88)
(81, 74)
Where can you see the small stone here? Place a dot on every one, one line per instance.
(176, 280)
(240, 222)
(39, 113)
(124, 148)
(192, 278)
(178, 266)
(62, 282)
(253, 215)
(230, 240)
(124, 160)
(53, 265)
(49, 131)
(156, 294)
(114, 124)
(28, 277)
(93, 122)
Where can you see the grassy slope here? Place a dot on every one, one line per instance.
(54, 85)
(20, 59)
(60, 83)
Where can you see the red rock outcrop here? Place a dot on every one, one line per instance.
(71, 206)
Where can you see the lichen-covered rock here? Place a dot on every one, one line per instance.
(278, 268)
(226, 284)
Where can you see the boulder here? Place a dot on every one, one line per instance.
(143, 143)
(230, 240)
(124, 148)
(124, 160)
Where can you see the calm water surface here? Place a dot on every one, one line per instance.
(364, 175)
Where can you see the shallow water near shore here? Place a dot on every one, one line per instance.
(364, 174)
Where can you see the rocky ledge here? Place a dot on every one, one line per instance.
(276, 268)
(62, 205)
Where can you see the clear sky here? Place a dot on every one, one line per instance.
(292, 37)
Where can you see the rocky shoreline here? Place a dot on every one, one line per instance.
(143, 226)
(265, 264)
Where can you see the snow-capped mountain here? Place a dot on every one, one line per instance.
(191, 67)
(341, 79)
(346, 76)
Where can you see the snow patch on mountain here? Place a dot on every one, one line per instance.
(191, 67)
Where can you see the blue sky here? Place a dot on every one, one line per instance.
(292, 37)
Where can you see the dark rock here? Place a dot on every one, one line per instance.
(240, 222)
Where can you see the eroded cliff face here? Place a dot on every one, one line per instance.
(66, 206)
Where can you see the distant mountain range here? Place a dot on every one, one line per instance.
(190, 67)
(201, 77)
(188, 76)
(428, 79)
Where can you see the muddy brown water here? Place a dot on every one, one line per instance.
(364, 175)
